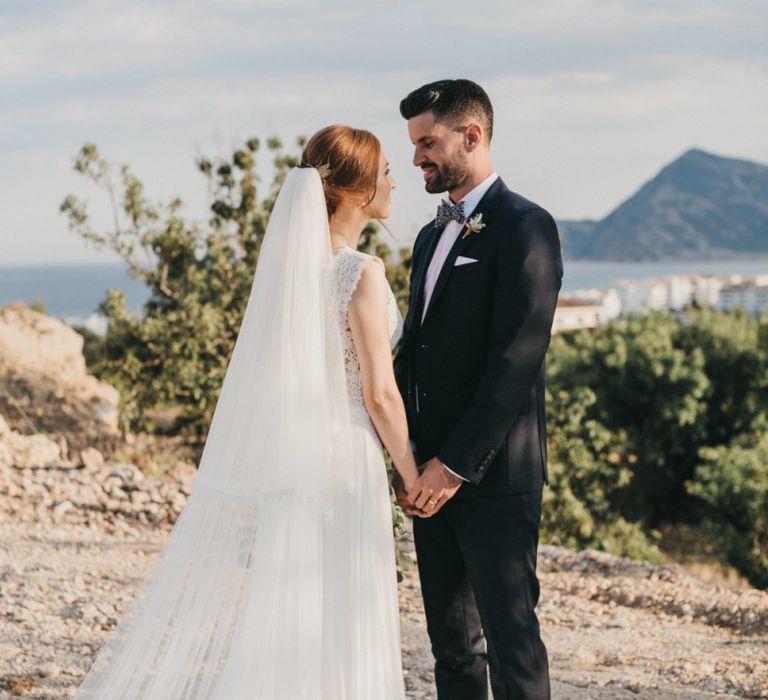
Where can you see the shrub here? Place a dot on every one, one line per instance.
(587, 466)
(733, 483)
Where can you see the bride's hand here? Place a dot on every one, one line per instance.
(401, 489)
(401, 493)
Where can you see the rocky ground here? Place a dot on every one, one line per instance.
(80, 528)
(76, 540)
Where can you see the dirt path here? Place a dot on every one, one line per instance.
(615, 629)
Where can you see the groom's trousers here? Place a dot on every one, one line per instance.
(477, 565)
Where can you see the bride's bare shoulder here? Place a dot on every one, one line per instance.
(370, 288)
(372, 271)
(373, 263)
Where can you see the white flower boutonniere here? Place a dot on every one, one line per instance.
(474, 225)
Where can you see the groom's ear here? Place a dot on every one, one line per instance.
(473, 136)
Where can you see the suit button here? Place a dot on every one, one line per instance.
(424, 345)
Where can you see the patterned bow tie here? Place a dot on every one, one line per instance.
(447, 212)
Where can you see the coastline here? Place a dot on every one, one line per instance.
(73, 292)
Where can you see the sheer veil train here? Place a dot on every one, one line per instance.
(236, 604)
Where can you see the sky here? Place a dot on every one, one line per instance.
(591, 97)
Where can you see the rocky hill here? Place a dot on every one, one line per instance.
(701, 206)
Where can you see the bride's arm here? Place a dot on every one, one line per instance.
(367, 314)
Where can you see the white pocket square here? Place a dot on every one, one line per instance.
(461, 260)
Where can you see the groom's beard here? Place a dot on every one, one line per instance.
(448, 176)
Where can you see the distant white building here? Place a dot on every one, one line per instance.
(751, 295)
(611, 303)
(571, 314)
(671, 294)
(637, 296)
(608, 299)
(706, 290)
(631, 295)
(586, 308)
(658, 294)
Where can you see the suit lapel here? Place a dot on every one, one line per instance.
(485, 207)
(432, 237)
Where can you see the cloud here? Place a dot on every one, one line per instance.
(86, 39)
(591, 96)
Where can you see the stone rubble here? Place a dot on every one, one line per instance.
(90, 490)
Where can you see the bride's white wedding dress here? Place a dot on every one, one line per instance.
(366, 651)
(278, 580)
(361, 625)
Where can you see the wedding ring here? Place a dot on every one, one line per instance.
(432, 502)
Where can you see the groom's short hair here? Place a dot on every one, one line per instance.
(450, 100)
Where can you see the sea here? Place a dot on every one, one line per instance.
(73, 292)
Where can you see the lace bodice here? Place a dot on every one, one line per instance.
(348, 264)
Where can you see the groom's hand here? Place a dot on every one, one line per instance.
(434, 487)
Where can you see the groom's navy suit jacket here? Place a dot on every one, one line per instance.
(477, 360)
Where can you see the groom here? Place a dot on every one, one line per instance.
(484, 282)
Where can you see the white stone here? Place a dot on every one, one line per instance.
(92, 459)
(32, 451)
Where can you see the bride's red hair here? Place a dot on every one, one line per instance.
(353, 158)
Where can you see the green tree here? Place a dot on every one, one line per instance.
(588, 465)
(735, 350)
(652, 392)
(733, 482)
(654, 421)
(199, 277)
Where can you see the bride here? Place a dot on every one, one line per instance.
(278, 580)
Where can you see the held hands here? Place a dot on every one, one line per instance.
(431, 490)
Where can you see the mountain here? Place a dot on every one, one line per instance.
(699, 207)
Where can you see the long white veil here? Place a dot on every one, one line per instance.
(238, 586)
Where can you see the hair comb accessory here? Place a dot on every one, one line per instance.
(324, 171)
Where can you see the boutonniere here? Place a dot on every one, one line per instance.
(474, 225)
